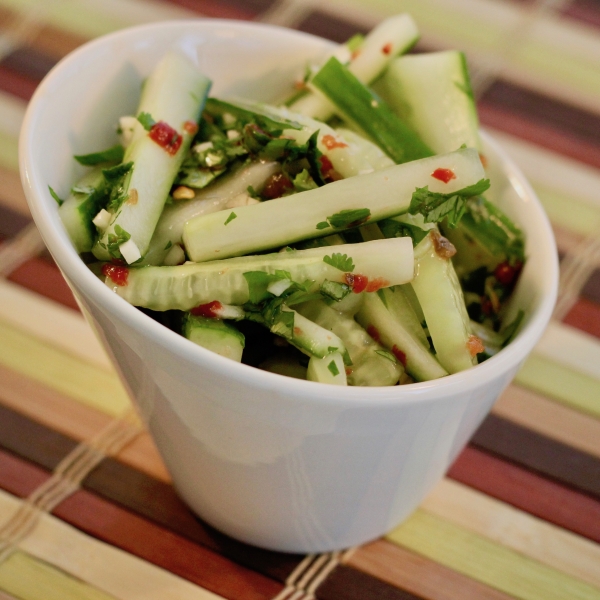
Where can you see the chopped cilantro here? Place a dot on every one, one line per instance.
(169, 244)
(392, 228)
(56, 197)
(382, 297)
(333, 368)
(435, 206)
(146, 120)
(340, 261)
(349, 218)
(323, 225)
(113, 154)
(303, 181)
(283, 323)
(120, 236)
(334, 290)
(230, 218)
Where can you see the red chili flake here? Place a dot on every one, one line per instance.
(373, 332)
(487, 307)
(377, 284)
(484, 160)
(348, 371)
(327, 171)
(387, 49)
(443, 247)
(297, 331)
(210, 310)
(475, 345)
(358, 283)
(190, 127)
(401, 356)
(330, 142)
(444, 175)
(276, 186)
(166, 137)
(506, 273)
(116, 273)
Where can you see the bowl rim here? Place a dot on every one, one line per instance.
(76, 271)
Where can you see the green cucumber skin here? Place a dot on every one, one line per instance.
(394, 332)
(274, 224)
(186, 286)
(432, 91)
(440, 296)
(357, 104)
(78, 210)
(215, 335)
(174, 93)
(368, 367)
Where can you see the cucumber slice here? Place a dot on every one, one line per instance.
(393, 36)
(173, 94)
(329, 369)
(393, 323)
(441, 298)
(371, 364)
(78, 210)
(273, 224)
(432, 93)
(186, 286)
(215, 335)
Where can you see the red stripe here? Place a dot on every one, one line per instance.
(547, 137)
(529, 492)
(585, 315)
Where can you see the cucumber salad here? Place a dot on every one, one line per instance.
(342, 235)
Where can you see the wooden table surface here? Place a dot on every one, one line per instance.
(86, 505)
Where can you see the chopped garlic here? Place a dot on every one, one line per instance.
(127, 126)
(130, 251)
(202, 147)
(102, 219)
(278, 287)
(228, 119)
(232, 134)
(228, 311)
(213, 159)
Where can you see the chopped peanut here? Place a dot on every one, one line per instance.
(183, 193)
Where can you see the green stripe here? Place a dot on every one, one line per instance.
(486, 561)
(9, 151)
(576, 390)
(27, 578)
(568, 212)
(61, 371)
(84, 19)
(464, 29)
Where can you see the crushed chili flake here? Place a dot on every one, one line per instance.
(377, 283)
(387, 49)
(506, 273)
(358, 283)
(373, 332)
(297, 331)
(116, 273)
(276, 186)
(190, 127)
(166, 137)
(475, 345)
(327, 171)
(443, 247)
(401, 356)
(330, 142)
(444, 175)
(210, 310)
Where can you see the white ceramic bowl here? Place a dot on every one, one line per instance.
(280, 463)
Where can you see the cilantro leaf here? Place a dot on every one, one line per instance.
(116, 189)
(392, 229)
(333, 368)
(120, 236)
(435, 206)
(56, 197)
(334, 290)
(323, 225)
(349, 218)
(113, 154)
(230, 218)
(340, 261)
(387, 355)
(146, 120)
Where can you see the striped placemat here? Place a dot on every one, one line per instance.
(86, 505)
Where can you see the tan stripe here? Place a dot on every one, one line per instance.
(515, 529)
(557, 421)
(11, 192)
(18, 250)
(74, 419)
(418, 575)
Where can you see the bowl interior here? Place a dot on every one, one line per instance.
(76, 110)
